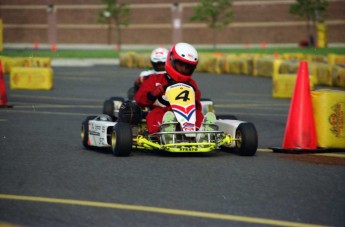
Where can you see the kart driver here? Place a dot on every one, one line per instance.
(157, 59)
(181, 62)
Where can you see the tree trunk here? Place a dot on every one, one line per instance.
(214, 38)
(109, 32)
(311, 40)
(118, 37)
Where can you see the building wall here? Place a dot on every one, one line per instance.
(75, 22)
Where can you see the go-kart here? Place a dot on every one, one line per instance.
(122, 127)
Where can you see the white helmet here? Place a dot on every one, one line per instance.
(182, 53)
(158, 58)
(159, 55)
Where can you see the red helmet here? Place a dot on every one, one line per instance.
(181, 55)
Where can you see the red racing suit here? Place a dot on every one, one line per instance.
(160, 105)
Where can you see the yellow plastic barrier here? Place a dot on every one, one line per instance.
(132, 60)
(123, 59)
(128, 59)
(316, 58)
(336, 59)
(250, 55)
(37, 62)
(31, 78)
(225, 62)
(324, 74)
(321, 29)
(215, 64)
(283, 85)
(329, 114)
(339, 75)
(293, 56)
(139, 60)
(233, 65)
(264, 67)
(17, 62)
(257, 65)
(10, 62)
(204, 62)
(284, 67)
(244, 67)
(289, 67)
(6, 64)
(144, 61)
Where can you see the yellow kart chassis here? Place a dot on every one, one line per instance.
(202, 147)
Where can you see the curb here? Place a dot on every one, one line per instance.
(83, 62)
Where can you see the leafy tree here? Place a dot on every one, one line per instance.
(312, 11)
(117, 14)
(217, 14)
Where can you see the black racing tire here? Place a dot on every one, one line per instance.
(131, 93)
(85, 131)
(117, 98)
(226, 117)
(247, 139)
(121, 139)
(108, 107)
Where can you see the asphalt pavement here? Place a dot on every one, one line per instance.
(49, 179)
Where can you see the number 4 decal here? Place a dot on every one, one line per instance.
(183, 95)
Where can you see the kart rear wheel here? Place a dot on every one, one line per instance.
(109, 108)
(131, 93)
(247, 139)
(121, 139)
(85, 131)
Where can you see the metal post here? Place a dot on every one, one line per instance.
(177, 23)
(51, 11)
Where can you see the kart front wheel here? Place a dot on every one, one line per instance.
(85, 131)
(246, 139)
(121, 139)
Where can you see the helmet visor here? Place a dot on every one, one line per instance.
(183, 67)
(158, 66)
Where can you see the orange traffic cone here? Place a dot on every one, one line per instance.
(300, 132)
(276, 55)
(3, 96)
